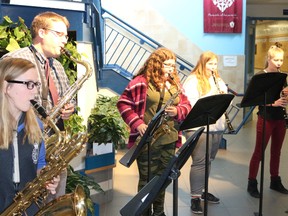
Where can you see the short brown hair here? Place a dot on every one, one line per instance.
(43, 20)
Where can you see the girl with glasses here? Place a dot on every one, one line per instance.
(22, 151)
(155, 83)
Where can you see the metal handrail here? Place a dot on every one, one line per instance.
(237, 107)
(126, 48)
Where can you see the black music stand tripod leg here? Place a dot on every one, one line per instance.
(207, 111)
(146, 196)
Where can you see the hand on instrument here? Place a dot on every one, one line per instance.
(67, 110)
(281, 102)
(284, 93)
(53, 184)
(171, 111)
(141, 129)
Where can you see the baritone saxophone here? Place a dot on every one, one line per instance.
(55, 112)
(52, 142)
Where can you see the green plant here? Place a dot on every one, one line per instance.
(69, 65)
(76, 178)
(75, 123)
(105, 123)
(14, 35)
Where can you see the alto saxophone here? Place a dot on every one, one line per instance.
(164, 127)
(35, 191)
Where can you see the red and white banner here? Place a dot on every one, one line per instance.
(222, 16)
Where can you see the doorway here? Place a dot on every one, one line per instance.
(261, 33)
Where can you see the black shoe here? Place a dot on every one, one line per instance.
(210, 198)
(277, 185)
(196, 206)
(162, 214)
(252, 188)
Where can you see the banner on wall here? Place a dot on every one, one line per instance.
(222, 16)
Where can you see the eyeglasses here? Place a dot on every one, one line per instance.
(169, 65)
(59, 34)
(30, 84)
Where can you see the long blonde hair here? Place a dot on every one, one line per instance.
(10, 69)
(202, 76)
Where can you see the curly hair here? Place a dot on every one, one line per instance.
(152, 68)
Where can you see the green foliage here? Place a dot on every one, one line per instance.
(105, 123)
(14, 35)
(69, 65)
(75, 123)
(76, 178)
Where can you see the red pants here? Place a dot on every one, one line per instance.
(275, 129)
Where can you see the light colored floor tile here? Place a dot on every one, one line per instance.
(228, 181)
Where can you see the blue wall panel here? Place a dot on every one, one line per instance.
(76, 18)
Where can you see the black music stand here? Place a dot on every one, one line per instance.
(263, 89)
(145, 197)
(207, 111)
(146, 139)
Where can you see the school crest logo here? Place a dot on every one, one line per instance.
(222, 5)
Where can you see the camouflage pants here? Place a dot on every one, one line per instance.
(160, 157)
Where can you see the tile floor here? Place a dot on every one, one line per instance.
(228, 181)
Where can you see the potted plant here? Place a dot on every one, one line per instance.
(105, 124)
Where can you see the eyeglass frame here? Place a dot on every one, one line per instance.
(58, 33)
(168, 65)
(27, 83)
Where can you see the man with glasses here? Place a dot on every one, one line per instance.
(49, 36)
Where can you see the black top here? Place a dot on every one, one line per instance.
(272, 113)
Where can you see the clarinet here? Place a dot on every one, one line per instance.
(283, 95)
(228, 122)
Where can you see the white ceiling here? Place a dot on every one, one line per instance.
(266, 2)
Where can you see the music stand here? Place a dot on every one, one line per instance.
(146, 139)
(207, 111)
(145, 197)
(135, 150)
(263, 89)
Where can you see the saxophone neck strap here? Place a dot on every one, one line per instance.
(44, 95)
(162, 93)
